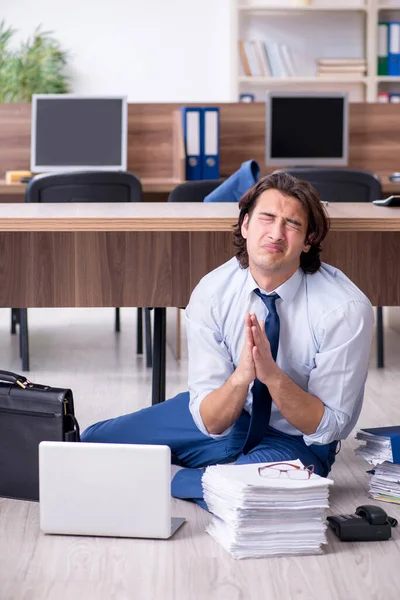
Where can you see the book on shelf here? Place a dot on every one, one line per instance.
(335, 62)
(339, 75)
(243, 59)
(343, 69)
(275, 57)
(252, 59)
(281, 60)
(287, 58)
(262, 57)
(266, 59)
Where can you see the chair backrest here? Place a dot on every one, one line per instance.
(194, 191)
(340, 185)
(85, 186)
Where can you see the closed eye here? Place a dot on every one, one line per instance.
(293, 224)
(269, 218)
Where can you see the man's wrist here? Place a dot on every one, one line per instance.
(237, 381)
(275, 377)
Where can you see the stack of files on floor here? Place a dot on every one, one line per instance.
(254, 517)
(341, 67)
(382, 450)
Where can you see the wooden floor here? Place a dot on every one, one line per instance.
(78, 348)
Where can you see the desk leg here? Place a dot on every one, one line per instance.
(379, 337)
(158, 392)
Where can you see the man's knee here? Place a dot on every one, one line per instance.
(151, 425)
(94, 433)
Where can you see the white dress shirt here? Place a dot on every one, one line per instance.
(326, 326)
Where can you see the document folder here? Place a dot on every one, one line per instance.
(210, 138)
(192, 126)
(383, 45)
(390, 432)
(394, 49)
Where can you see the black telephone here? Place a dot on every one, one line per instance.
(369, 523)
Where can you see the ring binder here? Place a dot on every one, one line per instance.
(210, 138)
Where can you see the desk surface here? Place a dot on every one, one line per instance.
(173, 217)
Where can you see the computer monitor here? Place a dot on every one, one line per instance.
(72, 132)
(307, 129)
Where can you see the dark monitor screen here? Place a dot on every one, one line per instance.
(76, 132)
(307, 130)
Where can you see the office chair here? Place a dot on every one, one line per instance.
(346, 185)
(194, 191)
(82, 186)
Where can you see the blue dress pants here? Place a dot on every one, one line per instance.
(170, 423)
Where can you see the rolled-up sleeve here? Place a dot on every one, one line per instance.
(341, 366)
(210, 363)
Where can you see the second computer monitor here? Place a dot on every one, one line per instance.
(307, 129)
(71, 132)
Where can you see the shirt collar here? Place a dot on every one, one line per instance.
(286, 291)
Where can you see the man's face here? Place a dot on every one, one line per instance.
(276, 233)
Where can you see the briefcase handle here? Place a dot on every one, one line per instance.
(10, 377)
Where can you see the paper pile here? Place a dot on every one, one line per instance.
(385, 481)
(377, 449)
(257, 517)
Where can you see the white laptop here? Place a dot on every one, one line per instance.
(106, 489)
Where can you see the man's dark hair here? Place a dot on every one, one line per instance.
(307, 195)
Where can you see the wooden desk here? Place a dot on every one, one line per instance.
(95, 255)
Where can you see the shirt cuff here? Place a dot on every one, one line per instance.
(194, 408)
(328, 430)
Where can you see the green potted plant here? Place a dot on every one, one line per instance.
(36, 67)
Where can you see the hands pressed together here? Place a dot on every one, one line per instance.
(256, 360)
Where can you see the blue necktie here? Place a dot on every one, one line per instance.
(261, 410)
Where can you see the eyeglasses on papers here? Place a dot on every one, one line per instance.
(275, 470)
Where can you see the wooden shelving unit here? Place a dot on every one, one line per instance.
(370, 11)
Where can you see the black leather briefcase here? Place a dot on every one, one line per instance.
(30, 413)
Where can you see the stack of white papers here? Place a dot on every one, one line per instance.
(385, 483)
(256, 517)
(377, 449)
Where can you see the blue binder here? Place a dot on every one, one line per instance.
(394, 48)
(391, 432)
(210, 143)
(192, 130)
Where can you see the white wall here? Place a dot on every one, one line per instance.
(149, 50)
